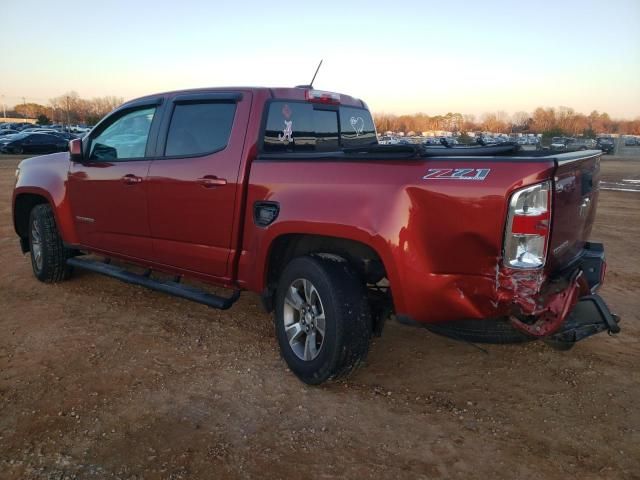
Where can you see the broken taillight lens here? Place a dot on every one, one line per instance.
(527, 233)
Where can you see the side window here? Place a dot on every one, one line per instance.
(356, 127)
(125, 138)
(199, 128)
(300, 127)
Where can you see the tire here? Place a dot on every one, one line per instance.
(480, 331)
(18, 150)
(48, 254)
(336, 293)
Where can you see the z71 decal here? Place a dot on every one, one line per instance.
(478, 174)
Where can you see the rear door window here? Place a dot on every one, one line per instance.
(298, 127)
(199, 128)
(356, 127)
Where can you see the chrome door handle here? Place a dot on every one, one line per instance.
(210, 181)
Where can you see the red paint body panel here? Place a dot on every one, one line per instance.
(47, 176)
(440, 239)
(109, 213)
(192, 204)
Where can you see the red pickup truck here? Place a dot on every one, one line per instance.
(287, 193)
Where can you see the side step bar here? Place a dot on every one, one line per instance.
(170, 287)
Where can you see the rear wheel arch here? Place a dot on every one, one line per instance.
(366, 262)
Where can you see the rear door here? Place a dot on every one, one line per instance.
(193, 183)
(107, 189)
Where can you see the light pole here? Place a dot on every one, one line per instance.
(68, 118)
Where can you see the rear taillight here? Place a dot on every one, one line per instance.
(319, 96)
(527, 234)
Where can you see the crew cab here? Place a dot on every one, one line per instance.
(286, 192)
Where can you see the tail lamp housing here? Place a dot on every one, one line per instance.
(526, 237)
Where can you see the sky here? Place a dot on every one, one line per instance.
(399, 56)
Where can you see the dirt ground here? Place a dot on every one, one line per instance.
(99, 379)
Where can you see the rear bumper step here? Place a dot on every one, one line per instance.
(590, 316)
(166, 286)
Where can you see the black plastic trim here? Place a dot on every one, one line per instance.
(223, 97)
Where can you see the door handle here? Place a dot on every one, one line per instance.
(210, 181)
(131, 179)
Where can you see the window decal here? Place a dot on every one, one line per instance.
(357, 123)
(287, 132)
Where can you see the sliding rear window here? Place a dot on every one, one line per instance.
(297, 127)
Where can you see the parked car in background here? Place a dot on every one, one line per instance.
(8, 131)
(631, 141)
(387, 140)
(67, 136)
(570, 144)
(584, 143)
(605, 144)
(558, 143)
(25, 142)
(431, 141)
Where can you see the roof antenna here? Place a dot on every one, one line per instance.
(313, 79)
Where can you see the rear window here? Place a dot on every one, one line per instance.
(199, 128)
(297, 127)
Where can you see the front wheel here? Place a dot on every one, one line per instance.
(48, 253)
(323, 319)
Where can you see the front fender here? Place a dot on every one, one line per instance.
(46, 177)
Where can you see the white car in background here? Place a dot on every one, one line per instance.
(388, 140)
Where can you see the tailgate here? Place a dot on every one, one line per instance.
(575, 196)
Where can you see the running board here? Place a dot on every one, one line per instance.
(167, 286)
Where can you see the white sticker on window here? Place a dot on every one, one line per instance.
(357, 123)
(287, 132)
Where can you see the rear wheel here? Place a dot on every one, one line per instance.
(323, 319)
(48, 254)
(18, 150)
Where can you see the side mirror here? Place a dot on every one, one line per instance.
(75, 150)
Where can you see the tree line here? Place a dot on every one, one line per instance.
(68, 109)
(556, 121)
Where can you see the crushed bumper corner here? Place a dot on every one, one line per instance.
(591, 315)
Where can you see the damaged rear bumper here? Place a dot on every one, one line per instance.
(571, 310)
(590, 316)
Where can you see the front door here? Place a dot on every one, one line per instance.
(193, 182)
(108, 189)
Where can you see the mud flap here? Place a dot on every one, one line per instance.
(591, 315)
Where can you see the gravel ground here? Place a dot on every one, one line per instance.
(99, 379)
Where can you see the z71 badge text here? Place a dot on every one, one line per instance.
(477, 174)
